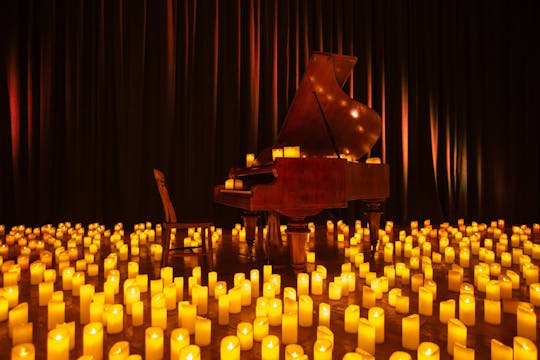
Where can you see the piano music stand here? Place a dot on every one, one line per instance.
(171, 222)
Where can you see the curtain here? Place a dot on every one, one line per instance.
(95, 94)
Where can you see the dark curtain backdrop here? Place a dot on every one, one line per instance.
(94, 94)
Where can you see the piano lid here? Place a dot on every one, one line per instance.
(354, 126)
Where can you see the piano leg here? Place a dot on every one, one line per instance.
(250, 224)
(297, 236)
(373, 210)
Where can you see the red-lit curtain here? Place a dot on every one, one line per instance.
(94, 94)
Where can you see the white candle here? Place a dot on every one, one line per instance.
(179, 340)
(376, 317)
(58, 344)
(410, 332)
(324, 314)
(244, 332)
(425, 302)
(322, 349)
(428, 351)
(203, 331)
(456, 333)
(289, 328)
(467, 309)
(352, 316)
(526, 321)
(524, 348)
(93, 340)
(366, 336)
(270, 348)
(260, 328)
(500, 351)
(153, 346)
(230, 348)
(447, 310)
(305, 311)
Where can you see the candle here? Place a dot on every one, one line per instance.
(305, 311)
(270, 348)
(277, 153)
(200, 298)
(137, 309)
(203, 331)
(235, 300)
(410, 332)
(153, 345)
(25, 351)
(56, 311)
(245, 290)
(376, 317)
(190, 352)
(289, 328)
(220, 289)
(267, 271)
(169, 291)
(260, 328)
(467, 309)
(254, 278)
(158, 311)
(534, 294)
(352, 316)
(302, 284)
(223, 309)
(291, 151)
(399, 355)
(322, 349)
(230, 348)
(244, 332)
(334, 290)
(526, 321)
(274, 312)
(250, 158)
(67, 276)
(188, 314)
(392, 295)
(428, 351)
(425, 302)
(131, 295)
(294, 352)
(462, 352)
(324, 314)
(524, 348)
(447, 310)
(456, 333)
(179, 340)
(500, 351)
(58, 344)
(402, 304)
(46, 290)
(93, 340)
(492, 311)
(18, 315)
(119, 351)
(366, 335)
(514, 277)
(316, 283)
(114, 318)
(369, 297)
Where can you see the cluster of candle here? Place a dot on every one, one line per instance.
(287, 152)
(411, 261)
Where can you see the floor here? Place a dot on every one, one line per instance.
(231, 257)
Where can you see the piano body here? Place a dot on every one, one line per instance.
(331, 129)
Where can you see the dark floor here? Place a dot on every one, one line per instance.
(231, 257)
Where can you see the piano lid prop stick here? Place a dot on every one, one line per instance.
(326, 125)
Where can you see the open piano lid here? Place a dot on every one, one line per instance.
(354, 127)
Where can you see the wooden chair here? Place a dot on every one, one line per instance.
(170, 222)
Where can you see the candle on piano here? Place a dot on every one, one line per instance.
(277, 153)
(250, 158)
(291, 151)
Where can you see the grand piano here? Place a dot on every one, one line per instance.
(333, 132)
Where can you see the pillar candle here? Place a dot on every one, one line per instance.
(366, 335)
(289, 328)
(399, 355)
(316, 283)
(294, 352)
(428, 351)
(220, 289)
(322, 349)
(188, 314)
(324, 314)
(56, 312)
(305, 311)
(169, 291)
(119, 351)
(244, 332)
(158, 311)
(254, 278)
(369, 297)
(534, 294)
(45, 290)
(492, 311)
(267, 271)
(526, 321)
(270, 348)
(462, 352)
(260, 328)
(203, 331)
(58, 344)
(447, 310)
(376, 317)
(137, 316)
(230, 348)
(514, 277)
(392, 295)
(302, 284)
(245, 290)
(467, 309)
(235, 300)
(36, 272)
(524, 348)
(425, 302)
(114, 318)
(402, 304)
(275, 308)
(133, 269)
(179, 339)
(223, 309)
(93, 340)
(25, 351)
(334, 291)
(67, 276)
(16, 316)
(131, 295)
(11, 294)
(500, 351)
(190, 352)
(352, 316)
(153, 343)
(22, 333)
(456, 333)
(276, 280)
(410, 332)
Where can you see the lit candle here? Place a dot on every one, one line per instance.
(25, 351)
(428, 351)
(254, 278)
(366, 336)
(244, 332)
(223, 309)
(322, 349)
(302, 284)
(447, 310)
(277, 153)
(230, 348)
(153, 346)
(46, 290)
(190, 352)
(220, 289)
(16, 316)
(500, 351)
(245, 286)
(402, 304)
(305, 311)
(267, 271)
(526, 321)
(137, 317)
(324, 314)
(369, 297)
(289, 328)
(462, 352)
(534, 294)
(56, 311)
(398, 355)
(274, 311)
(158, 311)
(58, 344)
(492, 311)
(376, 317)
(119, 351)
(410, 332)
(67, 276)
(203, 331)
(392, 295)
(467, 309)
(456, 333)
(524, 348)
(93, 340)
(291, 151)
(294, 352)
(114, 318)
(276, 280)
(235, 300)
(352, 316)
(250, 158)
(260, 328)
(179, 340)
(131, 295)
(188, 314)
(334, 291)
(316, 283)
(270, 348)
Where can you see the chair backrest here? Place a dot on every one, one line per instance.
(168, 208)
